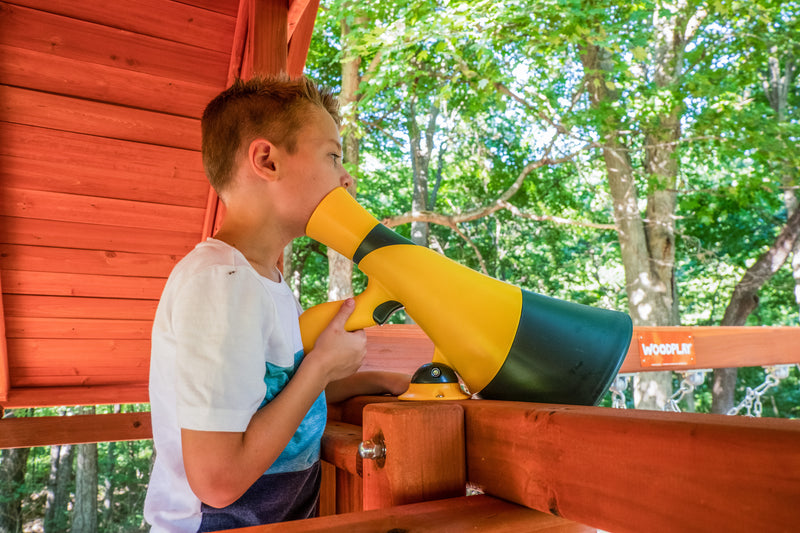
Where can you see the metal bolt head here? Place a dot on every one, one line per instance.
(371, 450)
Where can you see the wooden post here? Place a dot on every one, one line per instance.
(301, 31)
(5, 379)
(342, 482)
(424, 453)
(267, 37)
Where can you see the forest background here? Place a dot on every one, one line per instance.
(639, 156)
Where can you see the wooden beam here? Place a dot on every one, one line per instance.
(82, 285)
(5, 380)
(21, 327)
(340, 446)
(618, 470)
(424, 453)
(296, 10)
(88, 395)
(79, 429)
(239, 45)
(724, 347)
(77, 362)
(397, 347)
(24, 305)
(97, 210)
(173, 21)
(267, 37)
(90, 80)
(78, 40)
(83, 179)
(453, 515)
(174, 166)
(95, 237)
(404, 348)
(52, 111)
(102, 262)
(301, 29)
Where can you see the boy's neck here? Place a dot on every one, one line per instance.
(261, 249)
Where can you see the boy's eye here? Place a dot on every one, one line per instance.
(336, 158)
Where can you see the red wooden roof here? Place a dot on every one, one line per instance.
(101, 183)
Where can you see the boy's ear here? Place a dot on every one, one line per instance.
(261, 158)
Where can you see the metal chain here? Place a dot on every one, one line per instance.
(690, 380)
(752, 397)
(751, 402)
(618, 389)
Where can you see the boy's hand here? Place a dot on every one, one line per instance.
(340, 352)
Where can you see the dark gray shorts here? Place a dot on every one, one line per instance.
(273, 498)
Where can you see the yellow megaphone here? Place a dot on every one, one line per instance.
(506, 343)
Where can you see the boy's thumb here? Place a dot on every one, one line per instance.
(344, 312)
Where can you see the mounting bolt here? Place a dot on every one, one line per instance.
(373, 450)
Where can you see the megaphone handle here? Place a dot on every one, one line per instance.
(373, 306)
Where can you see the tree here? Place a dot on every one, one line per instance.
(13, 464)
(780, 78)
(534, 99)
(745, 299)
(84, 518)
(340, 268)
(56, 518)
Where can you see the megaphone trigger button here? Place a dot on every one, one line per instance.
(385, 310)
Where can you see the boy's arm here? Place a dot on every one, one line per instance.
(367, 383)
(221, 466)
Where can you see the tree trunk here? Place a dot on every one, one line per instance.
(781, 75)
(84, 516)
(13, 465)
(745, 295)
(84, 519)
(420, 167)
(645, 289)
(647, 246)
(55, 518)
(109, 486)
(340, 268)
(745, 299)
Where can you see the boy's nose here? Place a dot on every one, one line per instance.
(348, 181)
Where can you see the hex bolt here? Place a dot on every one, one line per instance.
(373, 450)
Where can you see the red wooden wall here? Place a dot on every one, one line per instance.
(102, 188)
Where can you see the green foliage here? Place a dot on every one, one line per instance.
(508, 81)
(123, 467)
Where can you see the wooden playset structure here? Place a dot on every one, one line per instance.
(103, 191)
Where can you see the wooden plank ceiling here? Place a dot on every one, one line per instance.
(102, 188)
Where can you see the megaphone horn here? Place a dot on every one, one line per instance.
(506, 343)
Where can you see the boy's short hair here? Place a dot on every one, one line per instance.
(272, 107)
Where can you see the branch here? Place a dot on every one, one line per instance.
(497, 205)
(373, 67)
(745, 295)
(474, 248)
(558, 220)
(508, 92)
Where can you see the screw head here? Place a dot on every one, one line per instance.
(371, 450)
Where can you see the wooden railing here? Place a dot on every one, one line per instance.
(540, 467)
(616, 470)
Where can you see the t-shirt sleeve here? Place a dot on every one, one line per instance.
(220, 319)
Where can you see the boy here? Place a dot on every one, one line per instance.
(238, 410)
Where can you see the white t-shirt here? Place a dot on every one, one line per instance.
(225, 341)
